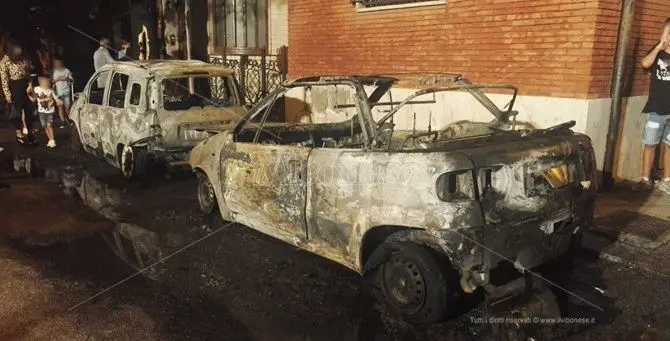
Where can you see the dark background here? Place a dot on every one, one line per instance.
(71, 29)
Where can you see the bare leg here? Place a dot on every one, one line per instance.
(50, 131)
(61, 112)
(648, 160)
(23, 119)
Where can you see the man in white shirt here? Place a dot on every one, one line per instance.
(102, 57)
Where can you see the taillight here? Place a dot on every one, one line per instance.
(456, 185)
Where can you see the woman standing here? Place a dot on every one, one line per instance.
(15, 70)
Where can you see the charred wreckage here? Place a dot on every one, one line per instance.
(134, 113)
(324, 164)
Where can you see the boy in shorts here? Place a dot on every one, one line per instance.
(657, 112)
(46, 106)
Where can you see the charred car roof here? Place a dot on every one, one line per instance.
(170, 68)
(427, 83)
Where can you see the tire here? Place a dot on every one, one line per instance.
(206, 196)
(133, 162)
(411, 283)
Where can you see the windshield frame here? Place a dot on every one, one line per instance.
(228, 78)
(475, 90)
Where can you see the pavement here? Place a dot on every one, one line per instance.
(633, 227)
(87, 255)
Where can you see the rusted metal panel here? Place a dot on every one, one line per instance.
(266, 186)
(352, 191)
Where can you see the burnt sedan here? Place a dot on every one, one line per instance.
(323, 163)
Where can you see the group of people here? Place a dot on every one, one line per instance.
(50, 96)
(53, 92)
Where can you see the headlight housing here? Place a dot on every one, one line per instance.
(558, 176)
(194, 135)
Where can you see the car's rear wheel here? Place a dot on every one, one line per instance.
(133, 161)
(206, 195)
(411, 283)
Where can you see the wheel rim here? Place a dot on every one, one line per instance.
(403, 284)
(127, 161)
(206, 195)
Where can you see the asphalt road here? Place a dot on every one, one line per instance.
(73, 235)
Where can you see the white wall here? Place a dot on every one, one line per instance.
(277, 25)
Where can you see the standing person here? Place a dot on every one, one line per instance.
(123, 53)
(657, 111)
(15, 70)
(62, 79)
(46, 106)
(101, 57)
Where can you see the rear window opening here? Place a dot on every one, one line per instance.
(184, 93)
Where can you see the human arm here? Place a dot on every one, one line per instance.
(31, 93)
(67, 77)
(4, 74)
(649, 59)
(58, 100)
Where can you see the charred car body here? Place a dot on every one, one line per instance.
(130, 112)
(416, 211)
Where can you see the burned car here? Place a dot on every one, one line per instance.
(132, 112)
(336, 167)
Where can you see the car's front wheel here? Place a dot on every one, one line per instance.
(206, 195)
(133, 161)
(411, 282)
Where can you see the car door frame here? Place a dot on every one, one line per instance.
(265, 186)
(88, 115)
(110, 118)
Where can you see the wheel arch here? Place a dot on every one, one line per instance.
(376, 236)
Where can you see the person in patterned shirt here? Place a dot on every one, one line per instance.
(15, 75)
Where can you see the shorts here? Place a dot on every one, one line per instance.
(67, 99)
(46, 118)
(656, 128)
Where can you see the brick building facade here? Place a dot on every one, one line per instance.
(560, 53)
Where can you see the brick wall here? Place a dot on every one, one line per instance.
(560, 48)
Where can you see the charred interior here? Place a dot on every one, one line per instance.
(331, 112)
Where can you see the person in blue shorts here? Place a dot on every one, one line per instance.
(657, 112)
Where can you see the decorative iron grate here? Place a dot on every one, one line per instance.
(258, 75)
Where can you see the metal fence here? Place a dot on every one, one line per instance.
(257, 74)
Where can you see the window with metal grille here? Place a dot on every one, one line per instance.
(240, 24)
(379, 3)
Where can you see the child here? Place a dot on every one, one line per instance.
(46, 106)
(62, 79)
(123, 53)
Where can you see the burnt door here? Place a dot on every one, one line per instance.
(265, 187)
